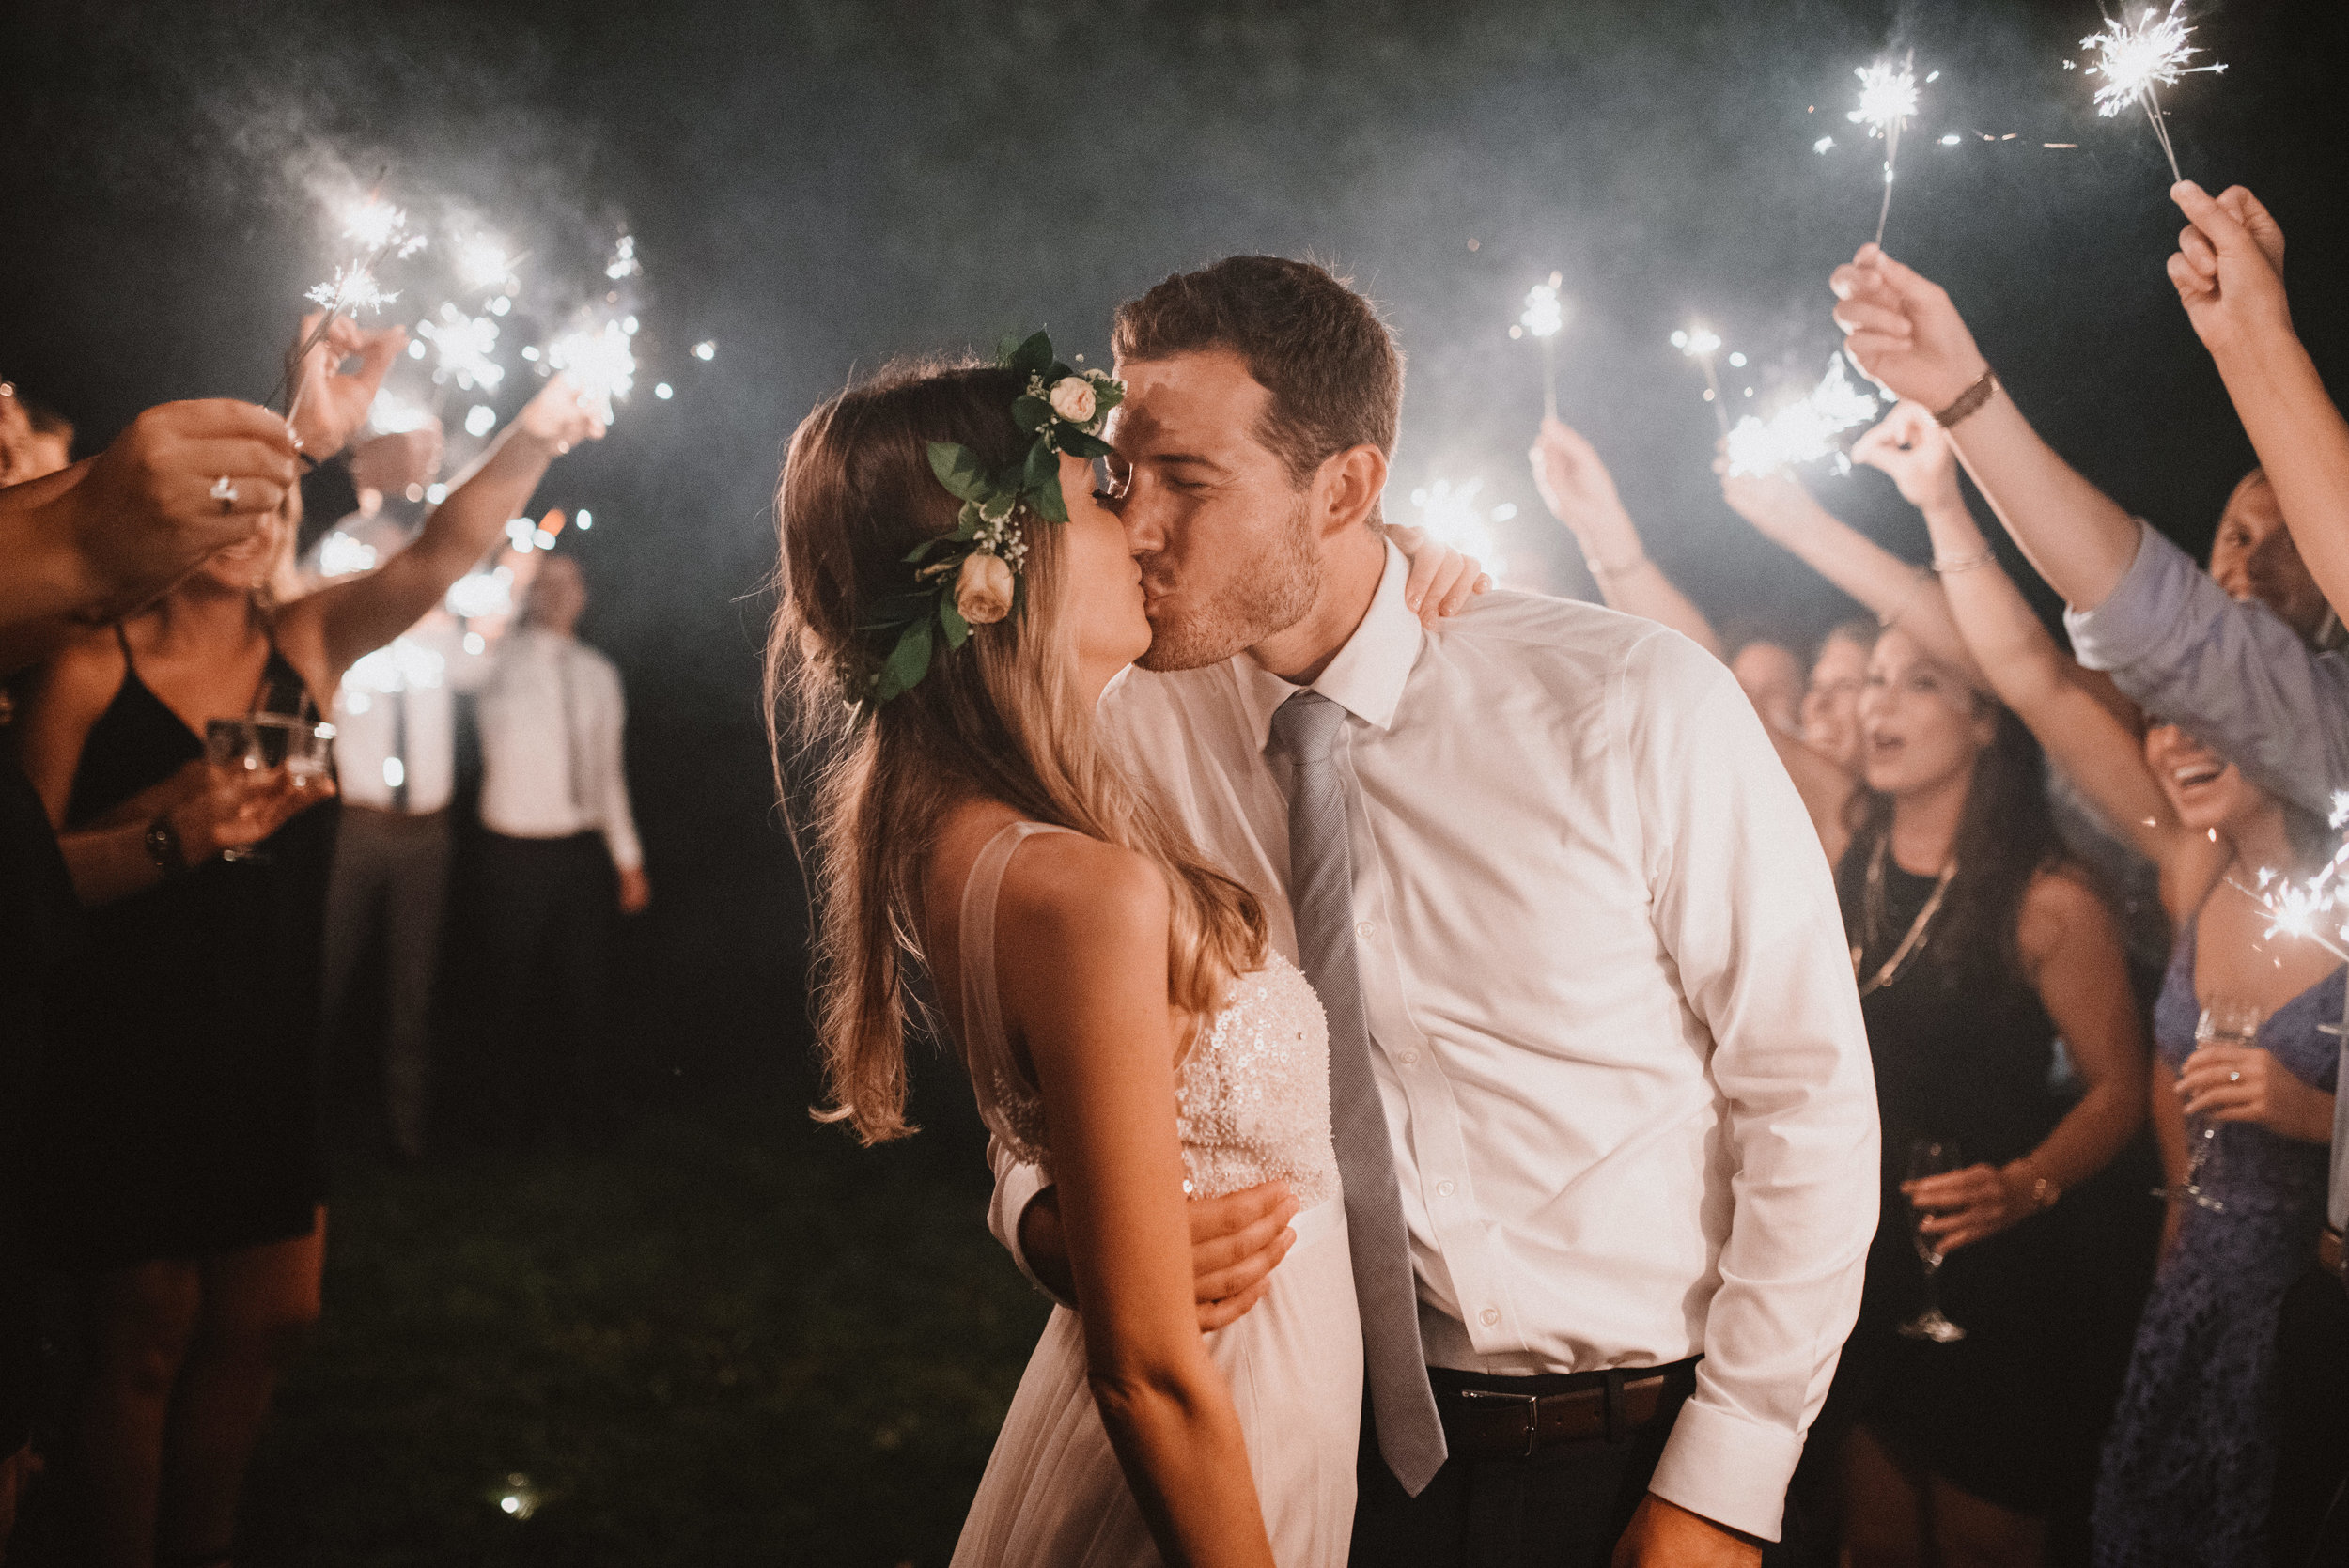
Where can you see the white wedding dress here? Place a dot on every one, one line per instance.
(1253, 1104)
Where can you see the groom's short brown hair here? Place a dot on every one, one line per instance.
(1316, 346)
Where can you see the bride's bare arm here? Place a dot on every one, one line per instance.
(1082, 954)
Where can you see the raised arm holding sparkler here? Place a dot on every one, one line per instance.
(326, 631)
(1579, 492)
(1895, 592)
(2228, 270)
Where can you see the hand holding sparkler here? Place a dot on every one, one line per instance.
(390, 463)
(2230, 268)
(1902, 331)
(328, 404)
(1579, 492)
(1773, 501)
(1917, 453)
(560, 416)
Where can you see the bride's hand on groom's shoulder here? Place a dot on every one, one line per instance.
(1442, 579)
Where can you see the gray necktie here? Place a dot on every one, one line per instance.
(1321, 896)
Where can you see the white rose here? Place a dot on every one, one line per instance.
(1072, 399)
(983, 591)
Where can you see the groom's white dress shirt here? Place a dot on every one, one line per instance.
(1610, 998)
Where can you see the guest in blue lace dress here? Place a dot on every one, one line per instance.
(2192, 1450)
(2190, 1457)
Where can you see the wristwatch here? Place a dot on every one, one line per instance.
(162, 846)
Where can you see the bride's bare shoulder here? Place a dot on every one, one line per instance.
(1059, 886)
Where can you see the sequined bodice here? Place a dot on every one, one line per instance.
(1251, 1097)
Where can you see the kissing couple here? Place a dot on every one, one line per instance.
(1422, 1054)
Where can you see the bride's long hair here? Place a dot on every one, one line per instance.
(998, 718)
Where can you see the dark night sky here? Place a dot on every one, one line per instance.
(818, 187)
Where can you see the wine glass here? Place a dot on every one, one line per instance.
(2225, 1021)
(1930, 1157)
(266, 742)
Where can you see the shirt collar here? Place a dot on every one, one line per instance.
(1365, 679)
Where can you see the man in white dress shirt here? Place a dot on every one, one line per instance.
(1583, 944)
(559, 848)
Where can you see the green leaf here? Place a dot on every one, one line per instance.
(957, 630)
(1057, 373)
(1043, 464)
(908, 662)
(1078, 444)
(1005, 346)
(1046, 499)
(896, 610)
(1033, 357)
(959, 470)
(1106, 395)
(1030, 413)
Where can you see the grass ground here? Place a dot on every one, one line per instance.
(727, 1337)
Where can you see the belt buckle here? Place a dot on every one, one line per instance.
(1532, 1411)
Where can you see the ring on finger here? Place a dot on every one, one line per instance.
(225, 491)
(2235, 1077)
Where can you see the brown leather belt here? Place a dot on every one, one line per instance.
(2328, 1254)
(1491, 1425)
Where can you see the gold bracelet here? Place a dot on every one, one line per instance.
(1970, 400)
(1964, 563)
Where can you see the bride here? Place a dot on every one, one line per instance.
(957, 594)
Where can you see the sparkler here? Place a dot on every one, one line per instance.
(463, 346)
(381, 231)
(1698, 343)
(600, 363)
(1805, 429)
(1888, 97)
(1451, 515)
(2316, 906)
(484, 263)
(2133, 60)
(1544, 314)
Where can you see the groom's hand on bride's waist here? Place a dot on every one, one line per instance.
(1236, 1242)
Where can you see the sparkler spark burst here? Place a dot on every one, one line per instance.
(1696, 343)
(2133, 60)
(1452, 514)
(463, 346)
(1805, 429)
(624, 263)
(600, 363)
(1888, 97)
(1544, 313)
(483, 263)
(351, 290)
(2316, 906)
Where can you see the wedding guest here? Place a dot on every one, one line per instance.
(1976, 943)
(2232, 673)
(177, 1167)
(559, 853)
(2189, 1462)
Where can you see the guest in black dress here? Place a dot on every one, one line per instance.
(180, 1169)
(1976, 945)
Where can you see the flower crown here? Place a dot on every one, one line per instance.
(972, 576)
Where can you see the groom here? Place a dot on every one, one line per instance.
(1599, 1086)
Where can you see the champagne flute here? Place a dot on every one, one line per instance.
(2225, 1021)
(236, 748)
(1930, 1157)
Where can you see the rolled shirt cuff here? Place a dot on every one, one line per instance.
(2141, 615)
(1728, 1470)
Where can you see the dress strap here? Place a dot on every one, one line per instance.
(985, 1051)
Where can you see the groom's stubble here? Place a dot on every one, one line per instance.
(1251, 597)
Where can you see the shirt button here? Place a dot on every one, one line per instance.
(1490, 1317)
(1362, 928)
(1444, 1189)
(1409, 1059)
